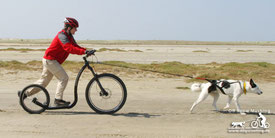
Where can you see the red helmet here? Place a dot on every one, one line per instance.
(71, 21)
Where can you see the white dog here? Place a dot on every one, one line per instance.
(236, 124)
(232, 88)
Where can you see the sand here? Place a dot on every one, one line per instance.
(154, 108)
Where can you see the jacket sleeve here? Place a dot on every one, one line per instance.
(70, 47)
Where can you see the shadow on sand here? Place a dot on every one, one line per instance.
(130, 114)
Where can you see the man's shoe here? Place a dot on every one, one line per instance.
(60, 102)
(24, 95)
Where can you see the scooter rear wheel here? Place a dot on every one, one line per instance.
(36, 103)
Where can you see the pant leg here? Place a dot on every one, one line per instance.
(58, 71)
(44, 80)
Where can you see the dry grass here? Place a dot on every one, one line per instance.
(244, 71)
(117, 50)
(14, 65)
(200, 51)
(183, 88)
(244, 51)
(135, 51)
(107, 49)
(22, 49)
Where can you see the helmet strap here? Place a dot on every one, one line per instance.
(68, 29)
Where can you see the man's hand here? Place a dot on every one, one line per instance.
(90, 52)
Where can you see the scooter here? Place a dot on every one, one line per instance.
(105, 93)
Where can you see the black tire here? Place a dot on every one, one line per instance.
(97, 101)
(42, 96)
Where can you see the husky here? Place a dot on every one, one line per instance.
(232, 88)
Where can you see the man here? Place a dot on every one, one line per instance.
(62, 45)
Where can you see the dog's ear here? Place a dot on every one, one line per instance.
(252, 83)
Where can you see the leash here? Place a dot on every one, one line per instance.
(154, 71)
(213, 82)
(172, 74)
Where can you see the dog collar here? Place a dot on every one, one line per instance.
(244, 88)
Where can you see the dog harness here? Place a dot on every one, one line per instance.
(214, 86)
(224, 84)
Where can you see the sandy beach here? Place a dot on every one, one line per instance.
(154, 107)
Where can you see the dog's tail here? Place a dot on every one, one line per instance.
(196, 87)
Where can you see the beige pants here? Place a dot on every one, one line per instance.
(52, 68)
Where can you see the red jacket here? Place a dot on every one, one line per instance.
(62, 45)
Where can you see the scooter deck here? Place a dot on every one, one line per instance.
(49, 107)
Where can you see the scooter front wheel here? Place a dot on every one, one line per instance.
(34, 103)
(111, 98)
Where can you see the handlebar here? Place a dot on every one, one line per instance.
(89, 53)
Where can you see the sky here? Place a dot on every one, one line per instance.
(190, 20)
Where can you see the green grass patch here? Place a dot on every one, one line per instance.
(135, 50)
(117, 50)
(242, 71)
(244, 51)
(239, 71)
(22, 49)
(200, 51)
(183, 88)
(14, 65)
(107, 49)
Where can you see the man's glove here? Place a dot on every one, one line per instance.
(89, 52)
